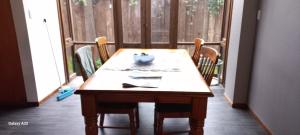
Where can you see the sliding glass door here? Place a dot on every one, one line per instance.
(143, 24)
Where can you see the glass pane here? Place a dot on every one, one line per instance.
(200, 18)
(91, 19)
(160, 20)
(104, 21)
(70, 63)
(131, 19)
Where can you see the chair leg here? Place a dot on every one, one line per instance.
(190, 122)
(137, 118)
(160, 123)
(155, 122)
(102, 116)
(132, 123)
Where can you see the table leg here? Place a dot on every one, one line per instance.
(88, 106)
(91, 127)
(199, 106)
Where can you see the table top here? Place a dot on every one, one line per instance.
(175, 67)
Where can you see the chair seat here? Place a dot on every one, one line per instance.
(119, 108)
(117, 105)
(167, 107)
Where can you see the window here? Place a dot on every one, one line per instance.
(131, 18)
(143, 23)
(91, 19)
(196, 18)
(160, 21)
(200, 18)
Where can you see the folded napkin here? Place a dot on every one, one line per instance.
(145, 75)
(142, 79)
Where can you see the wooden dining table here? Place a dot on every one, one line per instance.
(179, 82)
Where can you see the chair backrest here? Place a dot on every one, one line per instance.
(101, 45)
(207, 62)
(84, 57)
(198, 43)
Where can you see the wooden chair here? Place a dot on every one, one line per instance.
(207, 63)
(198, 43)
(208, 59)
(101, 45)
(87, 68)
(85, 60)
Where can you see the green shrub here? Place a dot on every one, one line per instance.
(214, 6)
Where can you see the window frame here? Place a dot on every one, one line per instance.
(146, 29)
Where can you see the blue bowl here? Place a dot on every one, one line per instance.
(143, 58)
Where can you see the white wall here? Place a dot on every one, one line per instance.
(43, 63)
(275, 92)
(234, 42)
(240, 51)
(24, 50)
